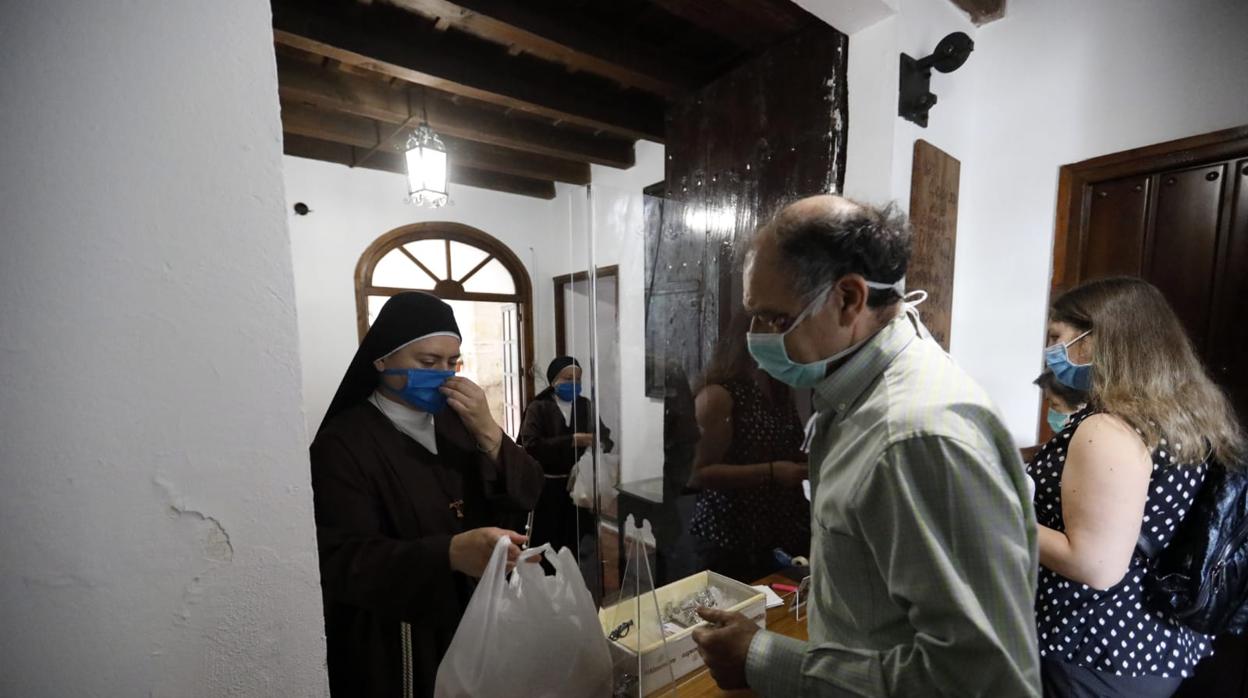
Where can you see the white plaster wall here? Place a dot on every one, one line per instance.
(850, 16)
(1061, 81)
(1055, 82)
(351, 208)
(157, 515)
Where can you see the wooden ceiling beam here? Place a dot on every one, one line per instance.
(982, 11)
(750, 24)
(396, 43)
(301, 82)
(566, 40)
(366, 134)
(315, 149)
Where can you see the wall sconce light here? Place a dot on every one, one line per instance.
(916, 96)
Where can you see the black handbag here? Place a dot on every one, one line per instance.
(1200, 578)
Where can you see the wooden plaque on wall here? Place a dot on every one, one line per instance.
(934, 219)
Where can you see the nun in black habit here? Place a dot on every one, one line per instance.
(557, 430)
(414, 482)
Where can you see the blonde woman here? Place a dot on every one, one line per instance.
(1129, 464)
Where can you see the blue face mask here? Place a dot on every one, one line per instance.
(771, 355)
(421, 390)
(568, 391)
(1057, 420)
(1068, 373)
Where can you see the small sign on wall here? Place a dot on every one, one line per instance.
(934, 220)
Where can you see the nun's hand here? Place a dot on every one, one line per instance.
(469, 402)
(471, 550)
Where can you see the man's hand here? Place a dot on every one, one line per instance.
(725, 647)
(583, 440)
(469, 402)
(471, 550)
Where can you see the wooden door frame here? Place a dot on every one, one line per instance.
(1074, 193)
(1074, 188)
(468, 235)
(561, 281)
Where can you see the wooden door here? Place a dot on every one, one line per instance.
(1175, 214)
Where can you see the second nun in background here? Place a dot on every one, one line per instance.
(557, 430)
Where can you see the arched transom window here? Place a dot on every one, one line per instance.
(486, 284)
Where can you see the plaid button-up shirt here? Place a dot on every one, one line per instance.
(924, 554)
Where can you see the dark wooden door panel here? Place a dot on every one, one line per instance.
(1182, 248)
(724, 175)
(1117, 219)
(1229, 339)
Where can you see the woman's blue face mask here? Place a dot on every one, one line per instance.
(1057, 420)
(421, 389)
(1068, 373)
(568, 391)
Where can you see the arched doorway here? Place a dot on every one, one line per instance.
(486, 284)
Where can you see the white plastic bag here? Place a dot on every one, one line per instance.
(583, 485)
(533, 636)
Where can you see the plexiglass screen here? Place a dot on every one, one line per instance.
(646, 299)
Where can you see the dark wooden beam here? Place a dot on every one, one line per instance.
(370, 135)
(302, 82)
(569, 40)
(750, 24)
(982, 11)
(399, 44)
(314, 149)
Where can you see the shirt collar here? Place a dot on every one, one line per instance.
(846, 384)
(565, 408)
(417, 424)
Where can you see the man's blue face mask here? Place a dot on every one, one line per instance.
(421, 389)
(1067, 372)
(770, 354)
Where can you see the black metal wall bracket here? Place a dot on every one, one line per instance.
(916, 97)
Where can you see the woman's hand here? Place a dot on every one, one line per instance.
(471, 550)
(470, 403)
(789, 474)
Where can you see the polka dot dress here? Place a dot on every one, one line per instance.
(1112, 631)
(764, 517)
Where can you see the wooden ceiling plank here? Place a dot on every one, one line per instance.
(567, 40)
(982, 11)
(311, 122)
(314, 149)
(393, 42)
(336, 91)
(497, 159)
(750, 24)
(483, 179)
(362, 133)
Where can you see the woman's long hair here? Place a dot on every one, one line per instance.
(1146, 372)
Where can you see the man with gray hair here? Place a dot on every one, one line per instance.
(923, 569)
